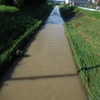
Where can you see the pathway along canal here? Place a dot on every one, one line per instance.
(47, 71)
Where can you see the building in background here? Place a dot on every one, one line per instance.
(81, 2)
(77, 2)
(95, 1)
(66, 1)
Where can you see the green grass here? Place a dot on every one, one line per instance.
(94, 14)
(5, 9)
(67, 11)
(17, 26)
(84, 35)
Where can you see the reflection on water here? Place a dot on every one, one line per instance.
(48, 71)
(55, 17)
(50, 54)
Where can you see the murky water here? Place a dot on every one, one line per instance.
(65, 88)
(47, 71)
(55, 17)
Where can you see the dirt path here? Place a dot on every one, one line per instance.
(47, 71)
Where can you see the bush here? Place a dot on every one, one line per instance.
(98, 4)
(2, 1)
(16, 28)
(19, 53)
(18, 3)
(6, 2)
(8, 9)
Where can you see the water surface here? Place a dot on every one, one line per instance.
(47, 71)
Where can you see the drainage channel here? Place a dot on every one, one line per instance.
(47, 71)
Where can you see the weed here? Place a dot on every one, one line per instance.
(16, 28)
(19, 53)
(84, 36)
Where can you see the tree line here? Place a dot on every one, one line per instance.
(21, 2)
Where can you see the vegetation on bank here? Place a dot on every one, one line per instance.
(83, 32)
(20, 3)
(16, 28)
(94, 14)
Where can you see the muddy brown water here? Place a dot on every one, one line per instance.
(47, 71)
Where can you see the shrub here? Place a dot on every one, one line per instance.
(98, 4)
(19, 53)
(2, 1)
(9, 9)
(6, 2)
(16, 28)
(18, 3)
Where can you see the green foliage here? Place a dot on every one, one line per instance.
(2, 1)
(17, 27)
(85, 45)
(94, 14)
(19, 53)
(18, 3)
(67, 11)
(84, 35)
(98, 3)
(9, 9)
(85, 41)
(6, 2)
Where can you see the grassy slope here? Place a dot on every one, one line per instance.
(15, 23)
(17, 26)
(84, 35)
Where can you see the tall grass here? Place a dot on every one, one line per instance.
(19, 3)
(6, 2)
(84, 35)
(86, 47)
(16, 28)
(94, 14)
(67, 11)
(9, 9)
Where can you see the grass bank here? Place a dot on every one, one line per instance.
(16, 28)
(83, 31)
